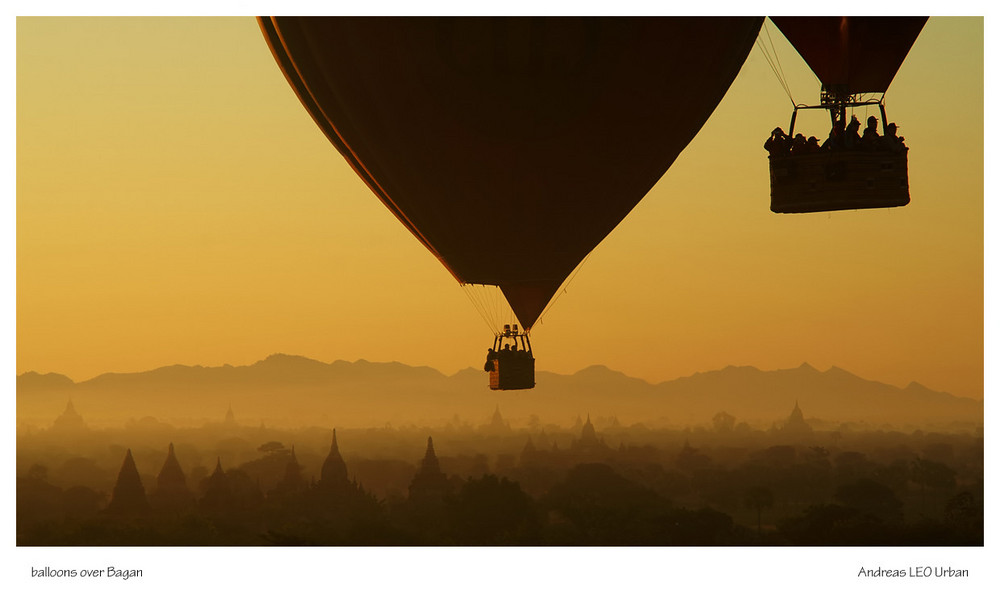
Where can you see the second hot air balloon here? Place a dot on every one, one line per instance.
(852, 57)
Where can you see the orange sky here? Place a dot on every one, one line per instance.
(176, 204)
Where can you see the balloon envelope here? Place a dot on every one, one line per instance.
(859, 54)
(510, 147)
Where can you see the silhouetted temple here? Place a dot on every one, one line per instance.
(497, 423)
(293, 482)
(588, 435)
(172, 492)
(429, 480)
(128, 496)
(69, 420)
(218, 493)
(333, 475)
(795, 425)
(230, 418)
(589, 444)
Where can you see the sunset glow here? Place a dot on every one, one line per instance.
(175, 204)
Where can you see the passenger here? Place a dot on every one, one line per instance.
(777, 144)
(835, 142)
(798, 145)
(852, 140)
(892, 142)
(812, 145)
(870, 139)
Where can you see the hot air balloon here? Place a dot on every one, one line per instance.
(852, 57)
(510, 147)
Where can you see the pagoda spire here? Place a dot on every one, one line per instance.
(293, 480)
(218, 493)
(588, 436)
(497, 423)
(429, 481)
(334, 471)
(69, 420)
(430, 462)
(171, 487)
(128, 497)
(171, 473)
(529, 453)
(796, 422)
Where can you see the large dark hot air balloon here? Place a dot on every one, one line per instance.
(852, 57)
(510, 147)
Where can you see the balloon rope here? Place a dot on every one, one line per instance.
(480, 306)
(770, 63)
(491, 305)
(777, 60)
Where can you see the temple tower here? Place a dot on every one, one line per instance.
(293, 481)
(588, 435)
(497, 423)
(128, 497)
(69, 421)
(218, 493)
(172, 492)
(796, 426)
(334, 471)
(429, 481)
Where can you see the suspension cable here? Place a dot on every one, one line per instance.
(479, 305)
(771, 62)
(784, 81)
(490, 303)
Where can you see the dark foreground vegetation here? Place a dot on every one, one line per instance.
(724, 484)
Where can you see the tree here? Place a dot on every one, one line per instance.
(870, 497)
(272, 448)
(723, 422)
(689, 458)
(600, 507)
(931, 475)
(758, 498)
(493, 511)
(964, 514)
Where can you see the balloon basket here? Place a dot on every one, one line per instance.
(513, 372)
(839, 180)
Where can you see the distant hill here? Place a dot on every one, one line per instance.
(292, 390)
(35, 382)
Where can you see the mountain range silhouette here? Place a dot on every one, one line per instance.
(295, 390)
